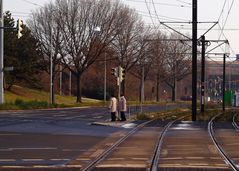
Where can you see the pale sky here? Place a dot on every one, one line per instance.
(224, 11)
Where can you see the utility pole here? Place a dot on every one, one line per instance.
(203, 74)
(224, 81)
(1, 52)
(194, 60)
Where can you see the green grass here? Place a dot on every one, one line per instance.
(25, 98)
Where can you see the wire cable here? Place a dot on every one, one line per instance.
(32, 3)
(150, 14)
(164, 4)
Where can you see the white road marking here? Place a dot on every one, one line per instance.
(129, 125)
(33, 148)
(7, 160)
(10, 134)
(60, 159)
(28, 160)
(59, 115)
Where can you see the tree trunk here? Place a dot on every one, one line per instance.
(123, 86)
(157, 88)
(78, 88)
(174, 91)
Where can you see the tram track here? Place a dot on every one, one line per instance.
(150, 158)
(234, 123)
(227, 158)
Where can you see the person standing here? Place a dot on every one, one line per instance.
(122, 107)
(113, 108)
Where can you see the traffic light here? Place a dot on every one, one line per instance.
(19, 28)
(114, 71)
(122, 73)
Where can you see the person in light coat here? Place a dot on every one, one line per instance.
(113, 107)
(122, 107)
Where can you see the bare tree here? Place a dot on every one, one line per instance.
(129, 42)
(177, 63)
(158, 49)
(45, 28)
(143, 66)
(88, 27)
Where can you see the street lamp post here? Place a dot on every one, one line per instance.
(60, 85)
(70, 83)
(1, 52)
(105, 80)
(51, 67)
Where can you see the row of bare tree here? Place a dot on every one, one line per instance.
(76, 33)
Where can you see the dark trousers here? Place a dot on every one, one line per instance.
(113, 116)
(122, 116)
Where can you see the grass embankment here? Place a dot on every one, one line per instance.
(25, 98)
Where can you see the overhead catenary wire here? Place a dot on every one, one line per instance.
(159, 3)
(184, 2)
(162, 16)
(32, 3)
(150, 14)
(224, 24)
(222, 28)
(167, 25)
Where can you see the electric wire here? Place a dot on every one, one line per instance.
(216, 62)
(224, 24)
(184, 2)
(223, 7)
(164, 4)
(32, 3)
(222, 28)
(150, 14)
(163, 16)
(167, 25)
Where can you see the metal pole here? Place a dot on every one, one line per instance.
(1, 53)
(105, 80)
(119, 90)
(203, 73)
(60, 80)
(224, 81)
(70, 83)
(194, 61)
(51, 69)
(142, 90)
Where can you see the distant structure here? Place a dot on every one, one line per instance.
(237, 56)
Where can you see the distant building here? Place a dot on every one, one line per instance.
(237, 56)
(213, 79)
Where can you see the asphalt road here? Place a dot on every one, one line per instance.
(54, 137)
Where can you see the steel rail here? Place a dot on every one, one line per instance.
(234, 122)
(155, 158)
(104, 154)
(228, 161)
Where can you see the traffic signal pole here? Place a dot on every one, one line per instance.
(1, 52)
(203, 74)
(194, 60)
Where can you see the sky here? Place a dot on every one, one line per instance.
(225, 12)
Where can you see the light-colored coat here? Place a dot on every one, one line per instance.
(113, 104)
(122, 104)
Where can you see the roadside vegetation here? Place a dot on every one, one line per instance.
(25, 98)
(179, 112)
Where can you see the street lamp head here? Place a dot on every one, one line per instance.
(97, 29)
(58, 56)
